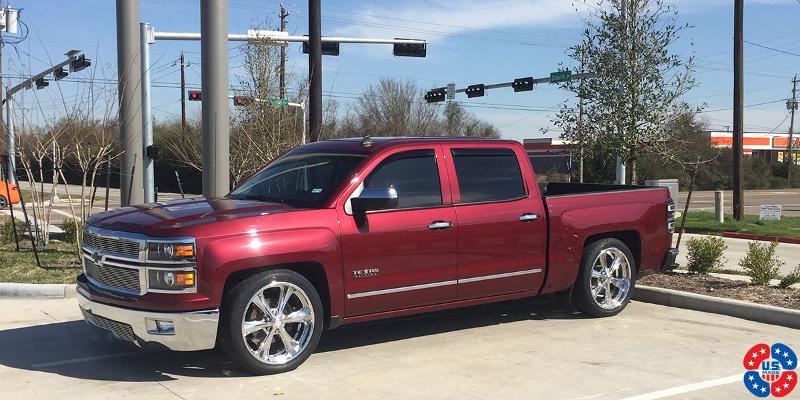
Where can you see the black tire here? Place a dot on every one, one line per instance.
(238, 302)
(583, 299)
(3, 202)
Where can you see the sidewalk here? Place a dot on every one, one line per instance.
(737, 249)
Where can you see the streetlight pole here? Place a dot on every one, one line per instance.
(147, 120)
(214, 70)
(314, 69)
(130, 95)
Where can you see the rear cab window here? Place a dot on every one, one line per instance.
(488, 175)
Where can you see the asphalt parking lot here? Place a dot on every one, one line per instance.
(515, 350)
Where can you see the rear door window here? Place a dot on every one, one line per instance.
(488, 175)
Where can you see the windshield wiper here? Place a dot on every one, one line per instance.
(257, 197)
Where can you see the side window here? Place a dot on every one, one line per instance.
(488, 175)
(413, 174)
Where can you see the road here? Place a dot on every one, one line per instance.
(753, 199)
(513, 350)
(737, 249)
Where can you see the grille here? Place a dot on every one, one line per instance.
(121, 331)
(124, 247)
(117, 277)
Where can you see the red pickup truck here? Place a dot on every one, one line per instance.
(351, 230)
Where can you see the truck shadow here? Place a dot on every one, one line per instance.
(74, 350)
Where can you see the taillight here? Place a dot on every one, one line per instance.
(670, 216)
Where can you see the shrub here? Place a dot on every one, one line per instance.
(70, 228)
(760, 262)
(705, 254)
(7, 230)
(791, 279)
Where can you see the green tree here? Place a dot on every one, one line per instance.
(637, 84)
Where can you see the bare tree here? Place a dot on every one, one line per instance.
(397, 108)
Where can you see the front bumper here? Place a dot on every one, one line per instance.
(194, 330)
(669, 260)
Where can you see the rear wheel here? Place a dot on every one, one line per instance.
(3, 202)
(607, 278)
(272, 322)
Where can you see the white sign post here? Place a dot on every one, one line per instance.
(770, 212)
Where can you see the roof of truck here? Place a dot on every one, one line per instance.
(367, 144)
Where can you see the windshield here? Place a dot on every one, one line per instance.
(305, 180)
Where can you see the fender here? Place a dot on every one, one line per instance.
(570, 229)
(227, 255)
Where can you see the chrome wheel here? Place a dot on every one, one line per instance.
(278, 323)
(611, 278)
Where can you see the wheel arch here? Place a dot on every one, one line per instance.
(631, 238)
(311, 270)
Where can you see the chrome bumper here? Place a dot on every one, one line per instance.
(195, 330)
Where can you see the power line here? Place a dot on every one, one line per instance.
(772, 48)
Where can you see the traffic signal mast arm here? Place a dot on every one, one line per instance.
(536, 81)
(75, 60)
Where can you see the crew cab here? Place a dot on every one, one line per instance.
(343, 231)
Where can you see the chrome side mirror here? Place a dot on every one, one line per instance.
(373, 199)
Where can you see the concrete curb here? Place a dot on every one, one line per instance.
(734, 308)
(765, 238)
(36, 291)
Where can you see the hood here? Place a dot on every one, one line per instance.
(161, 219)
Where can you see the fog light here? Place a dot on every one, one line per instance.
(165, 326)
(160, 326)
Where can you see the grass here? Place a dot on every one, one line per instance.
(704, 222)
(27, 194)
(20, 267)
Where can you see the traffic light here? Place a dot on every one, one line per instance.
(195, 95)
(410, 49)
(80, 62)
(435, 95)
(475, 90)
(328, 48)
(523, 84)
(42, 83)
(240, 101)
(60, 74)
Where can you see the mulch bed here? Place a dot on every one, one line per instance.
(726, 288)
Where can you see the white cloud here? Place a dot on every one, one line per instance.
(438, 19)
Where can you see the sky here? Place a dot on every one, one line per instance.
(469, 42)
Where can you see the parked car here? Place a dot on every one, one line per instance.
(9, 193)
(351, 230)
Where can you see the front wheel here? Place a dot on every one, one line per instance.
(272, 322)
(606, 279)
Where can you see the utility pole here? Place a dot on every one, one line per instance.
(130, 97)
(214, 71)
(314, 69)
(790, 159)
(620, 171)
(580, 120)
(183, 95)
(738, 108)
(282, 72)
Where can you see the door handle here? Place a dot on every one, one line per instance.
(528, 217)
(437, 225)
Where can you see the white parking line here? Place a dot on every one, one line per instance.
(85, 359)
(692, 387)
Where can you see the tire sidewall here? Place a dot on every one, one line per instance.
(584, 299)
(231, 330)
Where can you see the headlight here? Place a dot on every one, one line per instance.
(167, 251)
(170, 279)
